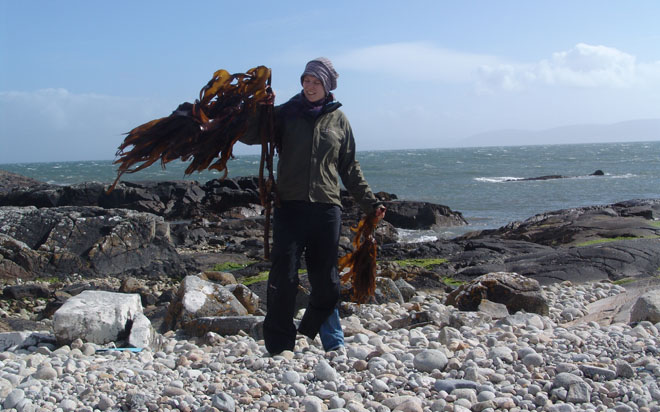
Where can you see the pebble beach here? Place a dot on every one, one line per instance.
(459, 361)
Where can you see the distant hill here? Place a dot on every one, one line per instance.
(629, 131)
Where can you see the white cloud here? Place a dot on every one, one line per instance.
(589, 66)
(415, 61)
(583, 66)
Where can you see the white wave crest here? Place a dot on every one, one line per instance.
(416, 236)
(497, 179)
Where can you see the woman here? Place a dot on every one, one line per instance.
(316, 150)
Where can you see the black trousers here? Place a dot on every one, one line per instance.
(312, 228)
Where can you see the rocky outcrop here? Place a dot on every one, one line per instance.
(220, 214)
(184, 200)
(90, 241)
(581, 244)
(612, 260)
(10, 181)
(172, 200)
(571, 227)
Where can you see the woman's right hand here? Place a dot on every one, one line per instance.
(270, 99)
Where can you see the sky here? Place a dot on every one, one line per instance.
(76, 75)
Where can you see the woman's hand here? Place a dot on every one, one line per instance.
(380, 212)
(271, 97)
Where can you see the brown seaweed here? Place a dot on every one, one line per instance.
(204, 132)
(361, 262)
(201, 132)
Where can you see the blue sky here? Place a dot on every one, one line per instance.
(76, 75)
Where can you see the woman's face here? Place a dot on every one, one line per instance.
(313, 88)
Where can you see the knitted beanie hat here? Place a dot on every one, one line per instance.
(322, 69)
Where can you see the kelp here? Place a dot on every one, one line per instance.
(205, 132)
(361, 262)
(199, 132)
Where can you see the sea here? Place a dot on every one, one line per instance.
(485, 184)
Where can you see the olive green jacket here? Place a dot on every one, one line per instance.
(315, 153)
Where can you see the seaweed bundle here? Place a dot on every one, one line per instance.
(361, 263)
(205, 132)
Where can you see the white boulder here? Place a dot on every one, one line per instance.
(96, 316)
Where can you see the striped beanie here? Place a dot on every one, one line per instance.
(322, 69)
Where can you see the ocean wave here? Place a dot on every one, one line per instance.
(416, 236)
(499, 179)
(624, 176)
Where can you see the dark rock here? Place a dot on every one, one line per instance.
(222, 195)
(581, 244)
(569, 227)
(91, 241)
(79, 287)
(421, 215)
(156, 315)
(172, 199)
(18, 261)
(511, 289)
(148, 299)
(547, 177)
(188, 205)
(413, 319)
(167, 296)
(550, 177)
(51, 307)
(26, 325)
(26, 291)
